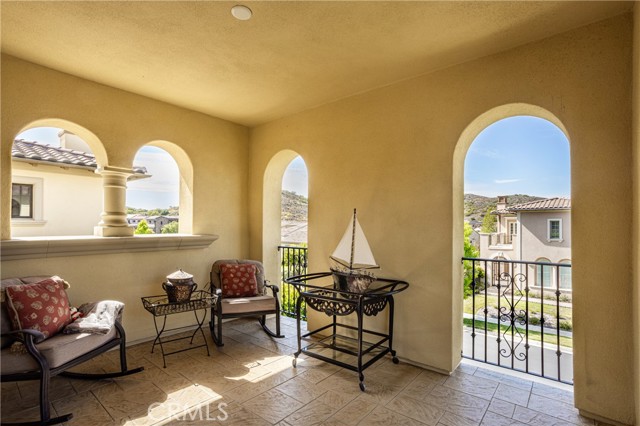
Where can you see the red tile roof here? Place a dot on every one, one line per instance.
(26, 150)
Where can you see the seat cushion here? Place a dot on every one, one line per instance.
(238, 280)
(58, 350)
(243, 305)
(42, 306)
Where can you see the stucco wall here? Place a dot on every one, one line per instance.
(533, 234)
(123, 122)
(636, 199)
(71, 201)
(390, 153)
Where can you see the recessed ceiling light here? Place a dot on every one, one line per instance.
(241, 12)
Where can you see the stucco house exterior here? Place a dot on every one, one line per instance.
(382, 100)
(56, 190)
(537, 231)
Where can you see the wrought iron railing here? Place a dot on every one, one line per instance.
(293, 261)
(518, 316)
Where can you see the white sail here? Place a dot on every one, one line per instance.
(362, 257)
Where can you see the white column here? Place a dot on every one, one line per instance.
(114, 211)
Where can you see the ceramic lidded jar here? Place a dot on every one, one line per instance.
(179, 286)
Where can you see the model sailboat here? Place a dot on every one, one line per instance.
(354, 256)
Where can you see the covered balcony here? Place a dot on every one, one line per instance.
(382, 100)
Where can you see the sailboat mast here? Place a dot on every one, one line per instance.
(353, 239)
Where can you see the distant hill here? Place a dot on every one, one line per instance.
(294, 206)
(475, 206)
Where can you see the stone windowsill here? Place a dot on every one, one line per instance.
(44, 247)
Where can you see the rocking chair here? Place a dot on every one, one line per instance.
(54, 356)
(259, 305)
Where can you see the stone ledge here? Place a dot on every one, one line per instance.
(44, 247)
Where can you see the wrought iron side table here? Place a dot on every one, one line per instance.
(355, 354)
(159, 306)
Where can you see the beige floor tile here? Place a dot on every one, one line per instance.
(503, 408)
(493, 419)
(473, 385)
(515, 395)
(86, 409)
(313, 413)
(467, 406)
(516, 382)
(273, 405)
(451, 419)
(301, 389)
(415, 409)
(353, 412)
(382, 416)
(557, 409)
(553, 393)
(536, 418)
(24, 415)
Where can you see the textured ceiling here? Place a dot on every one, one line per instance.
(289, 57)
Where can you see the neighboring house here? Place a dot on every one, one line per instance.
(155, 222)
(538, 231)
(55, 190)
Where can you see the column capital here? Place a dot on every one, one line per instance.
(113, 170)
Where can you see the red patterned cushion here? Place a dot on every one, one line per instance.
(42, 306)
(238, 280)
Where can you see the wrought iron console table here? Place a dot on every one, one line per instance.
(355, 354)
(159, 306)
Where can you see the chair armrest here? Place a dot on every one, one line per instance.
(26, 334)
(274, 288)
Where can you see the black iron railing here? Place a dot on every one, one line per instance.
(518, 316)
(293, 261)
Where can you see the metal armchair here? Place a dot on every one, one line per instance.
(259, 306)
(54, 356)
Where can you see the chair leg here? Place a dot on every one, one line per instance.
(123, 363)
(263, 322)
(216, 327)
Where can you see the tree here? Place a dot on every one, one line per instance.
(489, 222)
(469, 251)
(143, 228)
(170, 228)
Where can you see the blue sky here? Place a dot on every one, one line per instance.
(296, 177)
(519, 155)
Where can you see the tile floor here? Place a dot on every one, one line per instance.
(250, 381)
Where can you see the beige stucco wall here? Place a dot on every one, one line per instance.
(636, 199)
(390, 153)
(124, 122)
(533, 237)
(71, 201)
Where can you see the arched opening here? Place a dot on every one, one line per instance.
(516, 295)
(48, 158)
(294, 225)
(162, 201)
(272, 212)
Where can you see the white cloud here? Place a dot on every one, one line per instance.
(506, 180)
(489, 153)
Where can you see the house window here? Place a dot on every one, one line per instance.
(543, 274)
(554, 229)
(565, 275)
(21, 201)
(512, 227)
